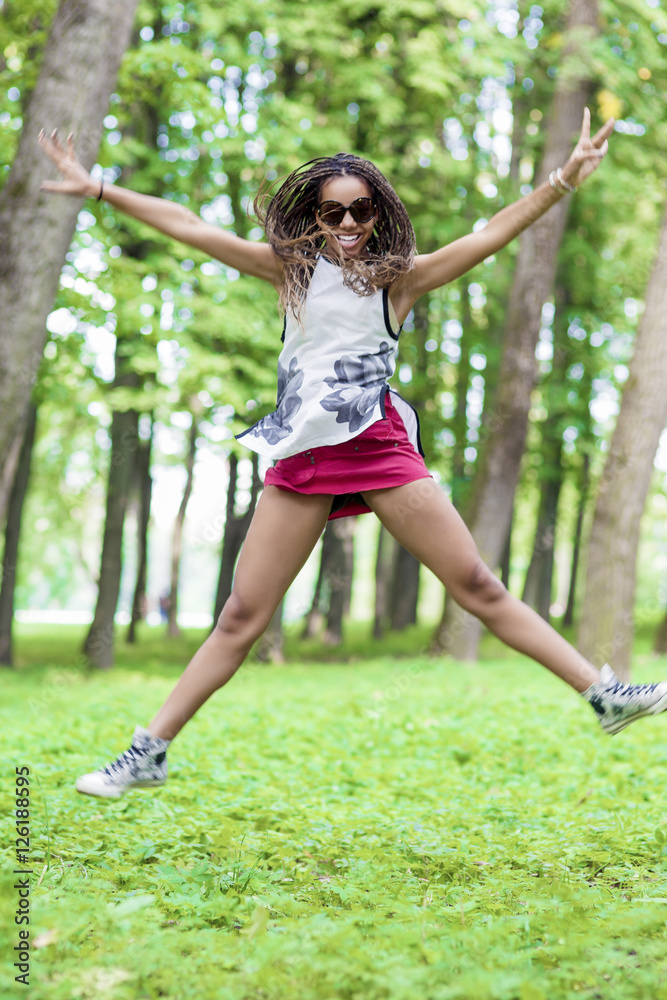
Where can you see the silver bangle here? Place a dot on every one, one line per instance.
(552, 181)
(563, 183)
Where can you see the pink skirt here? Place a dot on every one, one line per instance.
(388, 453)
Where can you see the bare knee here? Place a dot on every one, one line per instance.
(240, 620)
(479, 589)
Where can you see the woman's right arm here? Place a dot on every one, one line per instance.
(257, 259)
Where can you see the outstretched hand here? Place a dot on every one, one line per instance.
(76, 179)
(588, 152)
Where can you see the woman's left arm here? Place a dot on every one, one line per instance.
(433, 270)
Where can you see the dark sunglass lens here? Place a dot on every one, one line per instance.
(362, 209)
(332, 212)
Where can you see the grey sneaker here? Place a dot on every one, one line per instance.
(144, 765)
(617, 704)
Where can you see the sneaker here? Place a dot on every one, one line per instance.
(144, 765)
(617, 704)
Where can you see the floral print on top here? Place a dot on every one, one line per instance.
(333, 369)
(359, 385)
(277, 425)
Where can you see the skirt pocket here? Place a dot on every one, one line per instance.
(297, 469)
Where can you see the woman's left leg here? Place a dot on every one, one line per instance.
(424, 521)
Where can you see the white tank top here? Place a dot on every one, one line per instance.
(332, 371)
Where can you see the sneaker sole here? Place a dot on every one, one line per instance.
(616, 727)
(113, 793)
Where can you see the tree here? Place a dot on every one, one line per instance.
(177, 540)
(333, 586)
(490, 509)
(607, 622)
(144, 490)
(99, 643)
(78, 72)
(236, 528)
(12, 536)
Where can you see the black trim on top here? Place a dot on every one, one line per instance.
(282, 335)
(387, 320)
(407, 403)
(383, 396)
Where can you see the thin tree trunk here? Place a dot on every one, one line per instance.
(236, 528)
(607, 621)
(177, 540)
(459, 424)
(404, 589)
(321, 602)
(504, 431)
(382, 576)
(144, 489)
(539, 577)
(506, 557)
(568, 617)
(77, 75)
(12, 534)
(660, 641)
(339, 576)
(99, 644)
(271, 646)
(313, 618)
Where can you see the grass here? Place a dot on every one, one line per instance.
(385, 828)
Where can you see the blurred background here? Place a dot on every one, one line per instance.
(126, 496)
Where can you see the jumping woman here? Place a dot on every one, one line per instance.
(340, 252)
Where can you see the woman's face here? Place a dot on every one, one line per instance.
(348, 235)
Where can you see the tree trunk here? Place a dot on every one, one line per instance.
(99, 644)
(77, 75)
(539, 577)
(270, 648)
(506, 556)
(313, 618)
(177, 540)
(321, 602)
(459, 423)
(382, 577)
(12, 533)
(504, 430)
(144, 490)
(607, 622)
(404, 589)
(568, 617)
(339, 571)
(660, 641)
(236, 528)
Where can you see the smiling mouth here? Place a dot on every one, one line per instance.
(348, 242)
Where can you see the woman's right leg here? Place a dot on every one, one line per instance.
(282, 534)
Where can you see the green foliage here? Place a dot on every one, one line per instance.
(214, 99)
(386, 830)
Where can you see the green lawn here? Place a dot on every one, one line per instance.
(386, 828)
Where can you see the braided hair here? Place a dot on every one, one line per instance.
(292, 231)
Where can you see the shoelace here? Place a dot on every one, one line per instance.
(128, 757)
(619, 688)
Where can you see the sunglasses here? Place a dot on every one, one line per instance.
(332, 212)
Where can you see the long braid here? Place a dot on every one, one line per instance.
(292, 232)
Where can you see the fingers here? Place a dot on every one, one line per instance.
(49, 143)
(586, 127)
(603, 134)
(53, 141)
